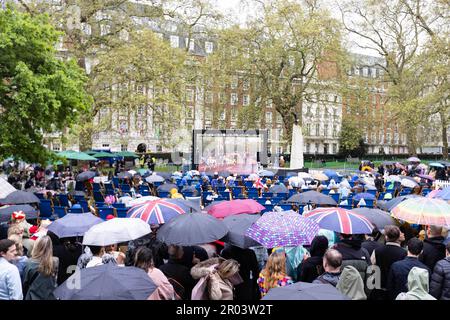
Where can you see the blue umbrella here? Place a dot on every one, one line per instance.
(73, 224)
(107, 282)
(20, 197)
(436, 164)
(5, 212)
(331, 174)
(364, 195)
(444, 194)
(266, 173)
(279, 188)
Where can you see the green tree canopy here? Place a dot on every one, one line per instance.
(351, 140)
(39, 92)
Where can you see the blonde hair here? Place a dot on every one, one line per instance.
(228, 268)
(14, 229)
(43, 252)
(275, 269)
(18, 241)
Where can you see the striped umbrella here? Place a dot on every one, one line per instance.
(340, 220)
(157, 211)
(425, 211)
(283, 229)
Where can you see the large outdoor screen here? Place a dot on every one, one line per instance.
(236, 151)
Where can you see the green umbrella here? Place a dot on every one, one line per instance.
(66, 153)
(99, 155)
(127, 154)
(78, 156)
(91, 152)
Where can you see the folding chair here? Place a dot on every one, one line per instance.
(75, 210)
(98, 196)
(103, 212)
(45, 209)
(122, 212)
(60, 211)
(63, 200)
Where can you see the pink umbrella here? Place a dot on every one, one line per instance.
(229, 208)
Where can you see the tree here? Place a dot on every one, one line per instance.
(351, 139)
(39, 93)
(281, 52)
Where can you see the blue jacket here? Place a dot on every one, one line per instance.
(397, 281)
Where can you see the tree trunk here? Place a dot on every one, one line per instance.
(412, 141)
(444, 136)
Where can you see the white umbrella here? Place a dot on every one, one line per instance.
(393, 178)
(253, 177)
(296, 182)
(409, 183)
(369, 181)
(115, 231)
(132, 172)
(141, 200)
(5, 188)
(304, 175)
(125, 200)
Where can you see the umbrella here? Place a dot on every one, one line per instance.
(20, 197)
(124, 175)
(279, 188)
(212, 204)
(166, 187)
(365, 196)
(393, 178)
(81, 156)
(116, 231)
(229, 208)
(5, 188)
(311, 197)
(237, 226)
(379, 218)
(100, 155)
(427, 177)
(413, 159)
(141, 200)
(84, 176)
(253, 177)
(143, 172)
(266, 173)
(191, 189)
(283, 229)
(154, 178)
(132, 172)
(74, 224)
(444, 194)
(6, 212)
(305, 291)
(126, 154)
(107, 282)
(391, 204)
(224, 173)
(331, 174)
(409, 183)
(157, 211)
(304, 175)
(425, 211)
(434, 194)
(192, 229)
(340, 220)
(388, 163)
(320, 176)
(436, 164)
(165, 175)
(296, 182)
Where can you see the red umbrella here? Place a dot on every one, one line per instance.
(229, 208)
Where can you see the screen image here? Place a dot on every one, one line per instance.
(229, 150)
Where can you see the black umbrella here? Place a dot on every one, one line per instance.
(195, 207)
(305, 291)
(391, 204)
(237, 226)
(6, 212)
(165, 175)
(279, 188)
(124, 175)
(20, 197)
(311, 197)
(192, 229)
(106, 282)
(379, 218)
(166, 187)
(85, 176)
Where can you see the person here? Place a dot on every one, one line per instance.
(97, 254)
(312, 266)
(175, 195)
(418, 284)
(332, 263)
(159, 249)
(39, 279)
(397, 279)
(220, 275)
(177, 273)
(351, 284)
(282, 162)
(88, 255)
(274, 274)
(372, 241)
(249, 268)
(67, 250)
(10, 283)
(144, 260)
(385, 256)
(440, 279)
(433, 247)
(353, 253)
(20, 260)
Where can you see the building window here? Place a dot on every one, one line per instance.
(234, 83)
(308, 129)
(209, 47)
(246, 84)
(365, 71)
(269, 103)
(308, 147)
(105, 145)
(174, 41)
(190, 112)
(104, 29)
(140, 110)
(123, 127)
(325, 128)
(374, 72)
(317, 111)
(317, 147)
(191, 43)
(189, 95)
(234, 99)
(123, 147)
(268, 117)
(209, 97)
(317, 130)
(222, 115)
(222, 98)
(334, 148)
(246, 100)
(56, 147)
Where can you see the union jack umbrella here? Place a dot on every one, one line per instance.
(340, 220)
(158, 211)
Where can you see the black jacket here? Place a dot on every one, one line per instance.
(248, 270)
(433, 251)
(312, 267)
(37, 286)
(385, 256)
(68, 257)
(174, 270)
(397, 280)
(371, 245)
(354, 255)
(440, 280)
